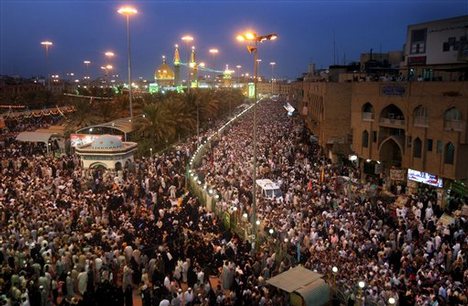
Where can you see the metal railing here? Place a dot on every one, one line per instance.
(394, 122)
(421, 122)
(367, 116)
(454, 125)
(208, 195)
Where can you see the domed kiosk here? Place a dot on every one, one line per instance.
(107, 151)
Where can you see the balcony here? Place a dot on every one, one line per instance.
(455, 125)
(367, 116)
(390, 122)
(421, 122)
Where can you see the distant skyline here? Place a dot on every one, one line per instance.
(84, 30)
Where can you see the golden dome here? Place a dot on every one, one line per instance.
(164, 72)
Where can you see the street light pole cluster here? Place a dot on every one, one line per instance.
(253, 40)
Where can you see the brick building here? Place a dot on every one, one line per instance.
(412, 125)
(326, 109)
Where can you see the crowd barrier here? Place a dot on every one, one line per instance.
(209, 196)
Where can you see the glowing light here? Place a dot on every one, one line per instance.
(127, 11)
(257, 222)
(214, 51)
(46, 43)
(391, 301)
(238, 66)
(334, 269)
(271, 231)
(109, 54)
(187, 38)
(109, 67)
(86, 62)
(361, 284)
(240, 38)
(250, 35)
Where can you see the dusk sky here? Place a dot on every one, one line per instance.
(84, 30)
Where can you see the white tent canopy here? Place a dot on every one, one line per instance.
(304, 284)
(36, 136)
(294, 279)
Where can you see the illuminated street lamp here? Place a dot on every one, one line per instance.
(361, 285)
(106, 69)
(252, 40)
(187, 39)
(213, 52)
(238, 73)
(335, 271)
(272, 64)
(47, 44)
(128, 11)
(87, 63)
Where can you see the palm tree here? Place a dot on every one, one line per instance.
(84, 115)
(157, 125)
(184, 121)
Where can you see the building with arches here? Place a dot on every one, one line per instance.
(411, 125)
(106, 151)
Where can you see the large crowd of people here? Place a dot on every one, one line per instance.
(403, 253)
(70, 235)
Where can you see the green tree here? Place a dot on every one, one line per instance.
(156, 125)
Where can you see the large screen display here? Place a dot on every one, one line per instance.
(424, 177)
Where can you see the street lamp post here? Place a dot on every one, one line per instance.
(255, 39)
(87, 62)
(47, 44)
(361, 285)
(188, 39)
(128, 11)
(238, 73)
(106, 69)
(272, 64)
(213, 52)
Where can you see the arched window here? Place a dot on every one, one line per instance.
(365, 139)
(453, 114)
(420, 115)
(449, 153)
(367, 111)
(392, 114)
(417, 148)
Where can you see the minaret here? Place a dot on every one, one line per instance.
(177, 65)
(227, 75)
(193, 65)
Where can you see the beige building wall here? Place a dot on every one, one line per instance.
(326, 109)
(436, 101)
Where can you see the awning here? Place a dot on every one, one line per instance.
(123, 125)
(35, 136)
(294, 279)
(300, 282)
(316, 293)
